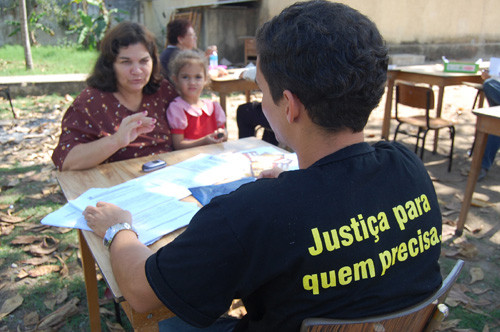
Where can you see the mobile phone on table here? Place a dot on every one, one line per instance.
(153, 165)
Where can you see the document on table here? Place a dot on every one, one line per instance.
(494, 67)
(153, 199)
(154, 214)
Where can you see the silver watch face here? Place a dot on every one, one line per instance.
(111, 232)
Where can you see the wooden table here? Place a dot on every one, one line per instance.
(226, 84)
(75, 183)
(487, 122)
(428, 74)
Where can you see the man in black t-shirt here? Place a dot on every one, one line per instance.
(356, 231)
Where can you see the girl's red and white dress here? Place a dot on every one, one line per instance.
(195, 122)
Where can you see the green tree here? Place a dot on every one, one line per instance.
(92, 28)
(24, 34)
(33, 20)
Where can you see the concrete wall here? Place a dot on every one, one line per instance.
(455, 28)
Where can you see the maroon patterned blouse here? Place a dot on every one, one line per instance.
(95, 114)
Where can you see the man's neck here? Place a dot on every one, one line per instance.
(318, 146)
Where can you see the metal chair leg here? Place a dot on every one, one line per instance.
(423, 145)
(452, 137)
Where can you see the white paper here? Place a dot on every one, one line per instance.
(494, 67)
(153, 199)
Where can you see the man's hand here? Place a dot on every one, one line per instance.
(270, 173)
(485, 74)
(104, 215)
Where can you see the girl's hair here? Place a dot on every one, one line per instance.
(124, 34)
(184, 57)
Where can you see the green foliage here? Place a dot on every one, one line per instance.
(34, 24)
(92, 28)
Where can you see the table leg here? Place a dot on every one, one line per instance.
(481, 100)
(89, 272)
(386, 122)
(477, 157)
(222, 100)
(439, 108)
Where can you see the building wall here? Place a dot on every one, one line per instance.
(455, 28)
(224, 26)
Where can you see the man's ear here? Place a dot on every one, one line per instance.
(293, 106)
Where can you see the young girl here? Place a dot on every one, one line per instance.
(193, 121)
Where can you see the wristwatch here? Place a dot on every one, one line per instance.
(113, 230)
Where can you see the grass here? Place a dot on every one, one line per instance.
(46, 60)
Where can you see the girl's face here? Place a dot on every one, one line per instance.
(190, 81)
(133, 66)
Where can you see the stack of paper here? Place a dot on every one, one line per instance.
(153, 199)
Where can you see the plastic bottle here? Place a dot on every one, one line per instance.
(213, 60)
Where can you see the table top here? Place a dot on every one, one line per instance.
(75, 183)
(433, 70)
(233, 75)
(493, 112)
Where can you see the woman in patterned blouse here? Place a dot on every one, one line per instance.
(121, 114)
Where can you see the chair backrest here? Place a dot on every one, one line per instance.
(414, 95)
(424, 316)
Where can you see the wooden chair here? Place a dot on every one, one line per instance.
(423, 98)
(422, 317)
(250, 50)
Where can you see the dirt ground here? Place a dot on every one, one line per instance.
(478, 293)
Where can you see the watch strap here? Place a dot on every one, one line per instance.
(113, 230)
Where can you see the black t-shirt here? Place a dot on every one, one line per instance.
(356, 234)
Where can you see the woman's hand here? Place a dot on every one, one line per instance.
(132, 126)
(104, 215)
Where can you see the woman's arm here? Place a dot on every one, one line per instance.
(87, 155)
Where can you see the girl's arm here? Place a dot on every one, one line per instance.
(87, 155)
(180, 143)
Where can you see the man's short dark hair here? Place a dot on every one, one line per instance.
(175, 29)
(124, 34)
(330, 56)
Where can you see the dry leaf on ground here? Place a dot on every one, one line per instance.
(11, 219)
(468, 250)
(114, 327)
(477, 274)
(60, 316)
(38, 260)
(47, 246)
(10, 305)
(43, 270)
(457, 297)
(64, 267)
(448, 324)
(6, 229)
(26, 239)
(31, 318)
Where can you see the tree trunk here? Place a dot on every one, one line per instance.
(25, 35)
